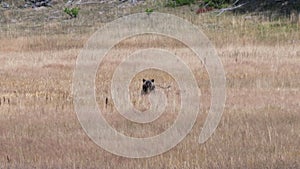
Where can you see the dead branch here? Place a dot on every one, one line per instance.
(235, 2)
(86, 3)
(79, 2)
(230, 8)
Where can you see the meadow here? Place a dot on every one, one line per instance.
(260, 126)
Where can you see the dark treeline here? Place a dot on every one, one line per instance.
(278, 6)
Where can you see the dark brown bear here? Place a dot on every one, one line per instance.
(148, 86)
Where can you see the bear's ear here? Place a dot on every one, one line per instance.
(144, 80)
(152, 80)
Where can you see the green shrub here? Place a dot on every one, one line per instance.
(216, 3)
(149, 11)
(175, 3)
(72, 12)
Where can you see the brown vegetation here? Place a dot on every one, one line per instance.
(260, 127)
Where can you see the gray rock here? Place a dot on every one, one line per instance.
(39, 3)
(5, 5)
(27, 5)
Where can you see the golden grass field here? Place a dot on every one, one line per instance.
(260, 126)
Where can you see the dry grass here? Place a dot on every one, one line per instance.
(260, 127)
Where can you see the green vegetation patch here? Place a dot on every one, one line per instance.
(72, 12)
(176, 3)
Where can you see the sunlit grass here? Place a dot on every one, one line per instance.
(259, 129)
